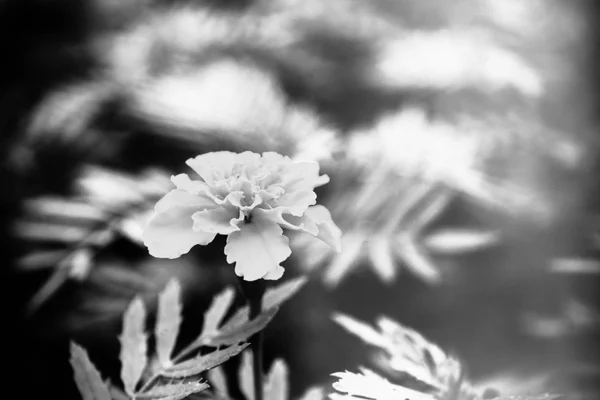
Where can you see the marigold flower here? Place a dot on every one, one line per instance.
(247, 197)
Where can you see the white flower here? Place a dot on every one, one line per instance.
(247, 197)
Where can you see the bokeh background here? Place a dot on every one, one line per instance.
(460, 137)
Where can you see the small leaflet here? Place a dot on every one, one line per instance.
(240, 333)
(276, 385)
(245, 376)
(202, 363)
(88, 379)
(168, 321)
(173, 391)
(217, 310)
(133, 345)
(457, 241)
(218, 381)
(314, 393)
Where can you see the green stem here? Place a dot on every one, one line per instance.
(253, 291)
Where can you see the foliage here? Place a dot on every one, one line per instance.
(173, 377)
(432, 373)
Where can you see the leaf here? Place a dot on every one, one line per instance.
(88, 379)
(382, 258)
(81, 263)
(273, 297)
(203, 362)
(217, 310)
(457, 241)
(216, 377)
(546, 396)
(240, 333)
(314, 393)
(245, 375)
(173, 391)
(372, 386)
(168, 321)
(133, 345)
(360, 329)
(276, 385)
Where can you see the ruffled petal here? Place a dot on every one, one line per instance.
(296, 203)
(183, 182)
(301, 176)
(169, 233)
(220, 220)
(279, 216)
(258, 248)
(182, 198)
(219, 165)
(328, 230)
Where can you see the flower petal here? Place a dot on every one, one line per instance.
(279, 216)
(220, 220)
(169, 233)
(183, 182)
(296, 203)
(303, 175)
(257, 249)
(182, 198)
(328, 230)
(219, 165)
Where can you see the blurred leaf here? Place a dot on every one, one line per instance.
(218, 381)
(81, 264)
(133, 345)
(360, 329)
(88, 379)
(352, 245)
(203, 362)
(40, 259)
(314, 393)
(575, 266)
(217, 310)
(276, 385)
(175, 391)
(245, 375)
(168, 321)
(381, 256)
(60, 208)
(416, 260)
(239, 333)
(456, 241)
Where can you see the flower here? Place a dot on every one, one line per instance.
(247, 197)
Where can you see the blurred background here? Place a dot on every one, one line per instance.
(460, 137)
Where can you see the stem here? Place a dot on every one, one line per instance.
(253, 291)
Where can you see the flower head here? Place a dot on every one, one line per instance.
(247, 197)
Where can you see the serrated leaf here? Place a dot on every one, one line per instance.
(273, 297)
(245, 375)
(372, 386)
(456, 241)
(168, 321)
(314, 393)
(173, 391)
(242, 332)
(276, 385)
(133, 345)
(204, 362)
(87, 378)
(217, 310)
(277, 295)
(216, 377)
